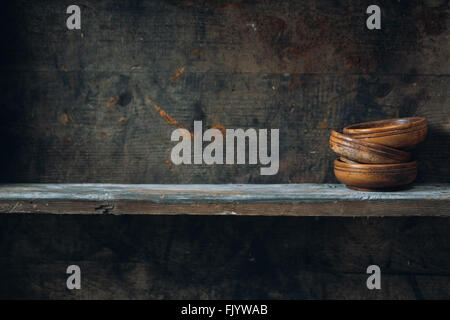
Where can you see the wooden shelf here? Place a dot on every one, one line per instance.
(224, 199)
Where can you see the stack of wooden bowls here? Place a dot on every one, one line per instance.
(375, 156)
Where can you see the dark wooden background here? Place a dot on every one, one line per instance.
(99, 105)
(75, 109)
(162, 257)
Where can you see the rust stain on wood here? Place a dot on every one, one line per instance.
(65, 118)
(236, 6)
(167, 117)
(196, 52)
(164, 114)
(324, 125)
(177, 74)
(298, 82)
(114, 100)
(189, 4)
(221, 128)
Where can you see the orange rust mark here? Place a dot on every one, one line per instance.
(196, 51)
(297, 81)
(324, 124)
(166, 161)
(121, 120)
(167, 117)
(231, 6)
(347, 64)
(221, 128)
(291, 85)
(187, 3)
(65, 118)
(177, 74)
(114, 100)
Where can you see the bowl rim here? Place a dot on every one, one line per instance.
(376, 148)
(391, 133)
(385, 125)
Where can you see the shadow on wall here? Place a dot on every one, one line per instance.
(13, 55)
(434, 157)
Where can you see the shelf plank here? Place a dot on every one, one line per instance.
(223, 199)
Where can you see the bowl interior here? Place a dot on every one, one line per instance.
(382, 123)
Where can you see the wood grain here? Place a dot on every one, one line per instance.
(223, 257)
(291, 199)
(74, 107)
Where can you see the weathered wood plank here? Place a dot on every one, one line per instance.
(221, 257)
(139, 281)
(74, 107)
(276, 199)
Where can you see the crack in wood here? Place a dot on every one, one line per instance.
(105, 208)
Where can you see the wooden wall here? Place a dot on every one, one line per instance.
(75, 106)
(99, 104)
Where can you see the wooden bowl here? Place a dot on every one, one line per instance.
(401, 133)
(365, 152)
(347, 160)
(375, 177)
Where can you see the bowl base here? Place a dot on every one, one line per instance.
(380, 189)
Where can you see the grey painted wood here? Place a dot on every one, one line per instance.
(209, 193)
(273, 199)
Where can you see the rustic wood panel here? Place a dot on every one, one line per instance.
(276, 199)
(75, 105)
(74, 109)
(223, 257)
